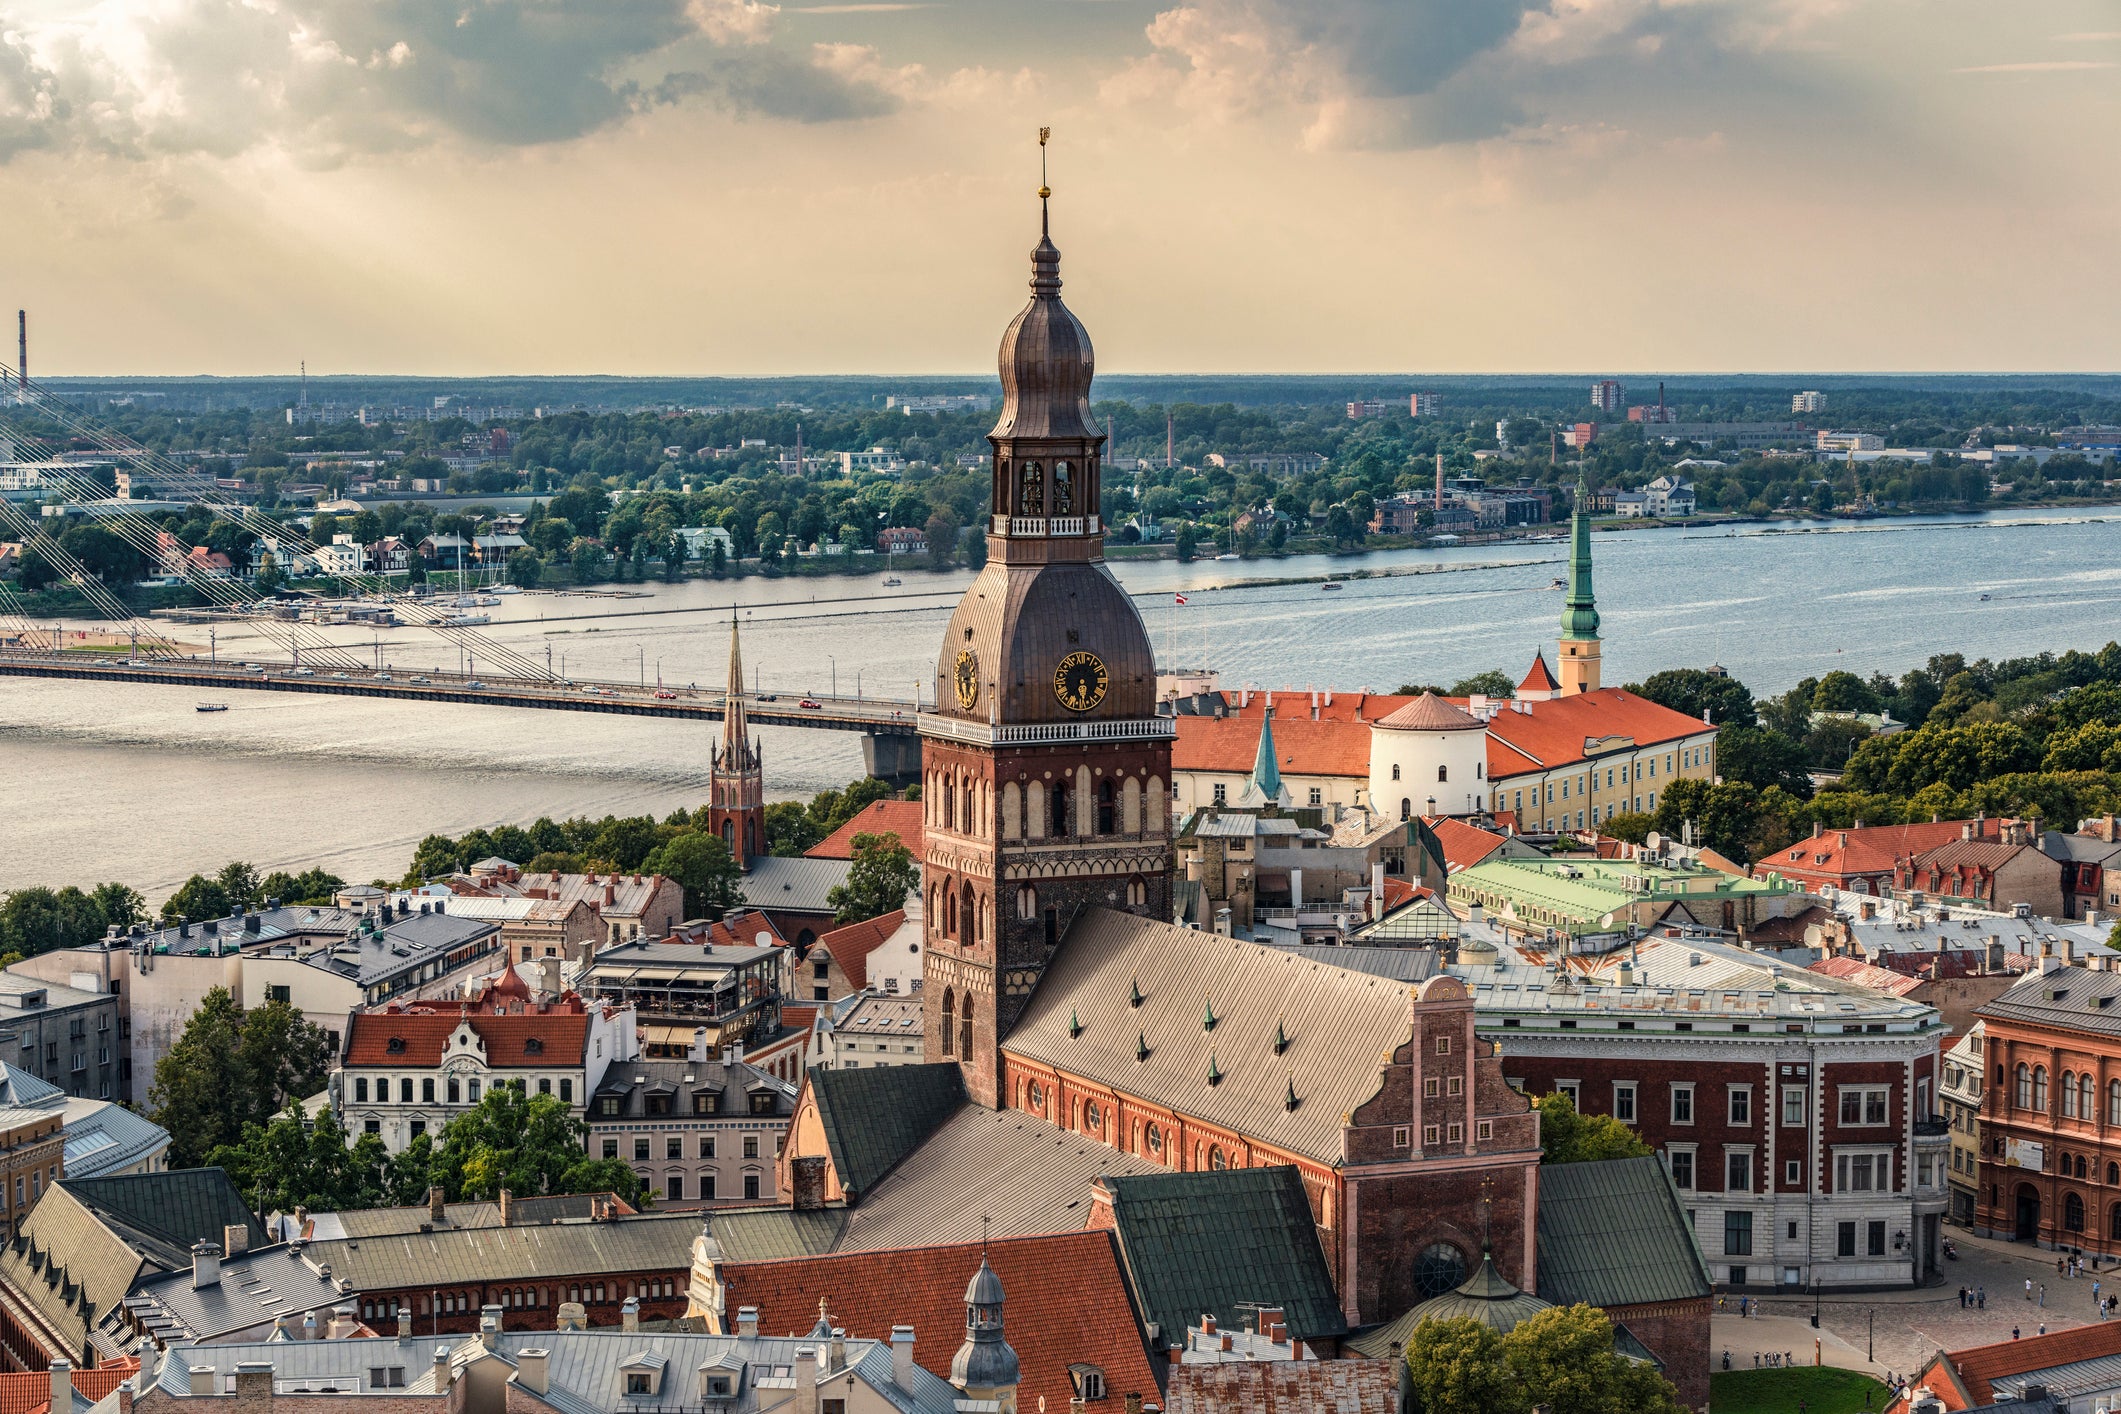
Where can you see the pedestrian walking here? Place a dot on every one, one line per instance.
(1962, 1298)
(1980, 1297)
(2014, 1332)
(2043, 1296)
(2028, 1288)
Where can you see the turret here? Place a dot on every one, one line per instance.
(985, 1367)
(1579, 616)
(736, 778)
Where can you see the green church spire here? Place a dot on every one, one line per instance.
(1265, 787)
(1579, 618)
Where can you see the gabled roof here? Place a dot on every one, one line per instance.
(1863, 974)
(1230, 745)
(30, 1392)
(1539, 678)
(163, 1214)
(1335, 1021)
(850, 946)
(1065, 1302)
(645, 1242)
(1978, 1369)
(1463, 845)
(1977, 854)
(896, 817)
(1613, 1233)
(1875, 849)
(1214, 1240)
(1552, 734)
(793, 885)
(421, 1035)
(874, 1118)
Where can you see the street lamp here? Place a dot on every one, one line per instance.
(835, 673)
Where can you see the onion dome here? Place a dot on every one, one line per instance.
(1430, 713)
(1045, 359)
(985, 1361)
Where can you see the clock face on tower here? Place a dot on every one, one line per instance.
(1080, 681)
(966, 679)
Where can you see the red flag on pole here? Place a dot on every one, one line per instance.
(1178, 598)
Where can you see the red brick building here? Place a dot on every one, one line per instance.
(2051, 1112)
(1794, 1111)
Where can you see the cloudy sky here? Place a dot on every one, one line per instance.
(729, 186)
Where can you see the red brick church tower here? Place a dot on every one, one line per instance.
(736, 779)
(1046, 771)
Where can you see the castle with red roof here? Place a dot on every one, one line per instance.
(1563, 752)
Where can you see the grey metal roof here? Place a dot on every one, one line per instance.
(1214, 1240)
(1613, 1233)
(632, 1081)
(2071, 998)
(1335, 1020)
(340, 1366)
(1399, 964)
(408, 945)
(585, 1370)
(524, 1212)
(255, 1289)
(19, 1087)
(799, 885)
(102, 1137)
(1030, 1178)
(692, 956)
(459, 1256)
(2055, 844)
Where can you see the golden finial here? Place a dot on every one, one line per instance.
(1044, 191)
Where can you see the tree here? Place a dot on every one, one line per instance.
(230, 1068)
(526, 568)
(1492, 683)
(120, 904)
(1455, 1367)
(526, 1144)
(588, 562)
(1563, 1358)
(789, 829)
(941, 532)
(1634, 826)
(703, 866)
(1188, 541)
(1762, 759)
(38, 920)
(239, 882)
(295, 1162)
(197, 898)
(1845, 694)
(1698, 693)
(311, 886)
(1566, 1137)
(882, 874)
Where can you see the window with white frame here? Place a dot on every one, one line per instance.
(1683, 1103)
(1793, 1106)
(1738, 1170)
(1679, 1158)
(1573, 1089)
(1624, 1101)
(1740, 1102)
(1863, 1170)
(1865, 1104)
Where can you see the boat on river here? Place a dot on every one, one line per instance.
(213, 706)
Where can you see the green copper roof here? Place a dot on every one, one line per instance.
(874, 1118)
(1265, 787)
(1615, 1233)
(1579, 618)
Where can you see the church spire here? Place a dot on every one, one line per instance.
(735, 736)
(1579, 616)
(736, 777)
(1265, 787)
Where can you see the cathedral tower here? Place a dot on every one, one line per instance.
(736, 779)
(1046, 771)
(1579, 617)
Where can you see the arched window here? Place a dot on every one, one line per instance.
(2073, 1212)
(950, 912)
(1216, 1158)
(1406, 808)
(970, 809)
(2025, 1086)
(2113, 1102)
(949, 1020)
(969, 913)
(1063, 489)
(2084, 1097)
(964, 1031)
(1063, 824)
(1026, 902)
(1443, 773)
(2113, 1223)
(1031, 496)
(1107, 810)
(1153, 1141)
(2113, 1173)
(2039, 1087)
(949, 804)
(1137, 892)
(1395, 770)
(2069, 1095)
(2080, 1165)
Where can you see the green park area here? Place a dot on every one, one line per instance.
(1802, 1389)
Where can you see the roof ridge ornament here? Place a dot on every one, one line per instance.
(1141, 1046)
(1075, 1024)
(1215, 1074)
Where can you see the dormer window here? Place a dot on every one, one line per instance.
(1089, 1381)
(396, 1046)
(762, 1102)
(643, 1375)
(534, 1046)
(706, 1102)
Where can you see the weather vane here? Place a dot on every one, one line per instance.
(1044, 191)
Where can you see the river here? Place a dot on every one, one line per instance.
(131, 783)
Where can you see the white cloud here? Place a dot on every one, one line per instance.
(327, 79)
(2040, 66)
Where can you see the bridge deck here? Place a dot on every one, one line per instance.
(871, 716)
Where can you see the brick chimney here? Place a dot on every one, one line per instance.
(806, 1183)
(254, 1384)
(508, 1206)
(531, 1367)
(630, 1314)
(902, 1356)
(435, 1204)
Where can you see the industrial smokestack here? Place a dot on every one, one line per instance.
(1439, 481)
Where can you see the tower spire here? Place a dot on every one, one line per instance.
(736, 777)
(734, 733)
(1045, 192)
(1579, 616)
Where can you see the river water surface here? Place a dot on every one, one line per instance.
(132, 783)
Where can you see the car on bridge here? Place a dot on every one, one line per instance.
(811, 704)
(382, 677)
(338, 677)
(664, 694)
(476, 684)
(424, 682)
(593, 690)
(302, 673)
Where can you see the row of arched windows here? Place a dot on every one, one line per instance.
(1038, 495)
(2077, 1094)
(959, 911)
(1072, 807)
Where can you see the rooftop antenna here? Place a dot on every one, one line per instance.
(22, 355)
(1044, 191)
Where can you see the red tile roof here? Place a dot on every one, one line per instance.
(1430, 713)
(1463, 845)
(896, 817)
(850, 946)
(1980, 1367)
(31, 1393)
(1066, 1302)
(1305, 748)
(423, 1034)
(1538, 678)
(738, 930)
(1337, 743)
(1843, 854)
